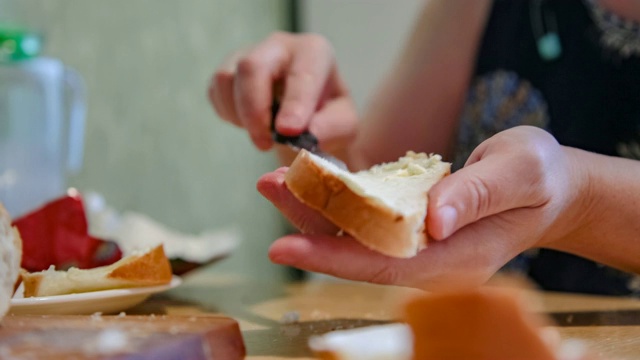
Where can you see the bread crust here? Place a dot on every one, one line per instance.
(10, 258)
(153, 268)
(30, 283)
(370, 222)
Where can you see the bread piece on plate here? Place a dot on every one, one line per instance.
(10, 257)
(135, 270)
(384, 208)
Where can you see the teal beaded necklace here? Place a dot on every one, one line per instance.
(544, 26)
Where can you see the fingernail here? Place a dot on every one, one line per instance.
(289, 124)
(449, 217)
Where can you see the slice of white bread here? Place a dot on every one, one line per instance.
(10, 258)
(384, 208)
(135, 270)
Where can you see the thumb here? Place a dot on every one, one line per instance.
(491, 185)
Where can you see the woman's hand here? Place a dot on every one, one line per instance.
(315, 97)
(519, 190)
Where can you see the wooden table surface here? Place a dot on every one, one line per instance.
(610, 325)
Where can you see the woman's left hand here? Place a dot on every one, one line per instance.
(519, 189)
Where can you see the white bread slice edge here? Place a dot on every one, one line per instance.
(10, 258)
(384, 208)
(136, 270)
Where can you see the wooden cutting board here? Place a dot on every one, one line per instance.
(137, 337)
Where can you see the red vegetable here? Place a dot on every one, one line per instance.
(57, 234)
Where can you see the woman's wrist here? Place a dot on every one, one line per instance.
(578, 197)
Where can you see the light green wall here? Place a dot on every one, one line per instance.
(153, 144)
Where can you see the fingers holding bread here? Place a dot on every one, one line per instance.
(385, 250)
(343, 257)
(272, 186)
(382, 211)
(492, 182)
(445, 265)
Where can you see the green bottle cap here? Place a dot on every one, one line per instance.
(19, 44)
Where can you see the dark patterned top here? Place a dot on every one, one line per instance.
(587, 95)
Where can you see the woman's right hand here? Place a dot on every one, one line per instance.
(315, 97)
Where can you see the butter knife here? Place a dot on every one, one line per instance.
(305, 140)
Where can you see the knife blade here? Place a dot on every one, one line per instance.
(306, 140)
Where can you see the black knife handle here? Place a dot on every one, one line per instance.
(306, 140)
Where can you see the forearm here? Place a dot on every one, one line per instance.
(608, 213)
(417, 105)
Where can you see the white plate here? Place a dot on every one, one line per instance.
(105, 301)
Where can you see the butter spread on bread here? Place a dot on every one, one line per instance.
(136, 270)
(384, 207)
